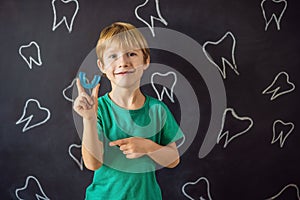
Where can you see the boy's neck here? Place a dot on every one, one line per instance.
(131, 99)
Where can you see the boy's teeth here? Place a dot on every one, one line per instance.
(64, 18)
(37, 54)
(271, 13)
(221, 62)
(167, 80)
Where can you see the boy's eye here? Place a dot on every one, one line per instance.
(130, 54)
(112, 56)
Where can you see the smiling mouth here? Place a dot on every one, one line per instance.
(124, 73)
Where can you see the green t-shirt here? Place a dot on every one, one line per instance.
(120, 178)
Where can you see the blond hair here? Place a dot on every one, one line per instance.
(126, 35)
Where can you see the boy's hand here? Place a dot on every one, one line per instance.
(86, 106)
(133, 147)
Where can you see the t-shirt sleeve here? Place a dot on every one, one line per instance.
(171, 131)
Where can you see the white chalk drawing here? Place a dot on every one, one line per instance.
(277, 19)
(160, 96)
(69, 87)
(28, 119)
(274, 90)
(31, 60)
(152, 18)
(64, 18)
(279, 134)
(195, 183)
(170, 94)
(231, 64)
(79, 163)
(38, 196)
(180, 143)
(235, 135)
(286, 187)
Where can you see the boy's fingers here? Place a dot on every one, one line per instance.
(115, 143)
(118, 142)
(95, 96)
(88, 98)
(84, 105)
(95, 91)
(79, 86)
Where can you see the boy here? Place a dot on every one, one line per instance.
(125, 132)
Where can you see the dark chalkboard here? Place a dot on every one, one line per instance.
(235, 96)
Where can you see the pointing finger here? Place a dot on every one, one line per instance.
(118, 142)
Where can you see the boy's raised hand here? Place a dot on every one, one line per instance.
(85, 105)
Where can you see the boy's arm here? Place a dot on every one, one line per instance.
(135, 147)
(166, 156)
(86, 106)
(92, 147)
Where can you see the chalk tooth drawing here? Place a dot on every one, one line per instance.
(43, 196)
(28, 119)
(69, 88)
(79, 163)
(29, 61)
(226, 133)
(57, 23)
(275, 87)
(181, 142)
(160, 95)
(208, 195)
(269, 16)
(279, 134)
(170, 94)
(284, 190)
(225, 61)
(152, 18)
(64, 92)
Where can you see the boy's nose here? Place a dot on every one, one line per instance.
(123, 60)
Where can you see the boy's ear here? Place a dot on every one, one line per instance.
(100, 65)
(147, 63)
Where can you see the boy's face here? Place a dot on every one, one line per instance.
(124, 67)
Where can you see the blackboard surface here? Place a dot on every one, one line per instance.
(253, 46)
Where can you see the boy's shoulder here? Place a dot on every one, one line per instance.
(153, 100)
(159, 104)
(102, 98)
